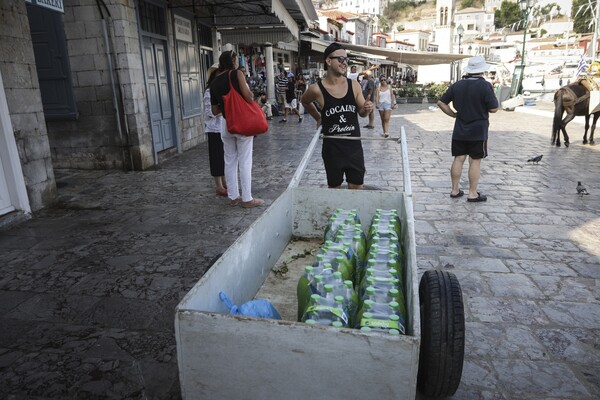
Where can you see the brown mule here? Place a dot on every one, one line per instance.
(574, 99)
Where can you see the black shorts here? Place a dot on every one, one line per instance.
(475, 149)
(339, 164)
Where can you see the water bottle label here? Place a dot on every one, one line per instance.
(335, 311)
(381, 323)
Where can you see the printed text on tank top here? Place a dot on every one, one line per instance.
(340, 119)
(341, 128)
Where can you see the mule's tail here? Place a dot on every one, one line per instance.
(558, 113)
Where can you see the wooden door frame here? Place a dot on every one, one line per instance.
(9, 156)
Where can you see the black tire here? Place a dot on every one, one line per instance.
(442, 334)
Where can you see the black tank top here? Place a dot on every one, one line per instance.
(340, 116)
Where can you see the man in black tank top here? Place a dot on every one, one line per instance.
(341, 102)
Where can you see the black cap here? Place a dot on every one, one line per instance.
(330, 49)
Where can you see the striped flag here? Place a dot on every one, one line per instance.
(582, 67)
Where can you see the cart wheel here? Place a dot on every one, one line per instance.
(442, 334)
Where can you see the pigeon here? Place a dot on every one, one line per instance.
(581, 190)
(536, 159)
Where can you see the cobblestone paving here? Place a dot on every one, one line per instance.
(88, 287)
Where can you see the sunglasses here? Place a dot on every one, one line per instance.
(341, 59)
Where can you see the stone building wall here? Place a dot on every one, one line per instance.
(17, 64)
(94, 141)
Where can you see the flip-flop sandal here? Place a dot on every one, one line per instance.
(480, 197)
(459, 194)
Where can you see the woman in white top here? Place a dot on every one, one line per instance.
(212, 128)
(385, 102)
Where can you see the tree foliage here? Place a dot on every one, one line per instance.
(467, 3)
(396, 8)
(508, 14)
(581, 12)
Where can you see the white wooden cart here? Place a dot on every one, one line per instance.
(222, 356)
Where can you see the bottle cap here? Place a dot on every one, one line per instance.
(329, 288)
(394, 317)
(348, 284)
(308, 269)
(365, 329)
(310, 322)
(337, 324)
(394, 332)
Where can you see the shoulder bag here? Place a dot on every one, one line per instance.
(242, 117)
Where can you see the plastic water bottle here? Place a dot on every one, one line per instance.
(356, 241)
(383, 230)
(323, 312)
(381, 322)
(351, 302)
(383, 242)
(380, 253)
(391, 217)
(384, 263)
(382, 296)
(339, 217)
(331, 250)
(303, 291)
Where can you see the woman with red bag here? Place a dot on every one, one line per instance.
(238, 148)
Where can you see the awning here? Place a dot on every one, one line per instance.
(256, 36)
(289, 46)
(407, 57)
(317, 45)
(379, 55)
(227, 14)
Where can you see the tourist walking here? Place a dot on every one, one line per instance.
(368, 93)
(385, 102)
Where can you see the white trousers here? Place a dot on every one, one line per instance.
(238, 154)
(267, 109)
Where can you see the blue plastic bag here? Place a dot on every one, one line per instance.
(260, 308)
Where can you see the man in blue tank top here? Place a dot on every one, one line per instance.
(341, 102)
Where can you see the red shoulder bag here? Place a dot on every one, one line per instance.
(242, 117)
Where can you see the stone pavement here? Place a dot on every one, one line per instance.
(88, 288)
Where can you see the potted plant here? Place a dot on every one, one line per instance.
(414, 93)
(434, 91)
(400, 94)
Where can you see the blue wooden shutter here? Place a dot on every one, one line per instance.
(189, 79)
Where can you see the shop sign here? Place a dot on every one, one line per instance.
(54, 5)
(183, 29)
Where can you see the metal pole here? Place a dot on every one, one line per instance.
(458, 74)
(520, 87)
(595, 40)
